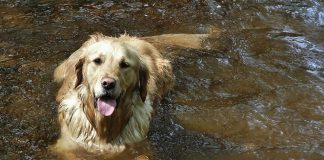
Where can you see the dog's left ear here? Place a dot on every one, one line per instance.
(143, 81)
(78, 72)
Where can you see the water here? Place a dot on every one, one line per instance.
(255, 92)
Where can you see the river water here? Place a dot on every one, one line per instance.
(255, 92)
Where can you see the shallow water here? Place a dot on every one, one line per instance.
(257, 92)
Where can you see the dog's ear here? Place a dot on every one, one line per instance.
(78, 72)
(143, 81)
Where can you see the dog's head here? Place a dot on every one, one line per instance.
(112, 72)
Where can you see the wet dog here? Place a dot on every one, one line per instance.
(108, 87)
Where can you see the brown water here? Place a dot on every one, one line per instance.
(255, 93)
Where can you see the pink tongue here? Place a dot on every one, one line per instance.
(106, 107)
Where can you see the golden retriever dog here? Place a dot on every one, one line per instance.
(108, 88)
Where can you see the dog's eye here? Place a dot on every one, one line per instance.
(123, 64)
(97, 61)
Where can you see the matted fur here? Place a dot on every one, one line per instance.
(82, 126)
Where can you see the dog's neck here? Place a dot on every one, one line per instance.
(108, 128)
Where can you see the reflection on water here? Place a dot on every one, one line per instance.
(254, 93)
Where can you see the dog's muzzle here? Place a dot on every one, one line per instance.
(107, 103)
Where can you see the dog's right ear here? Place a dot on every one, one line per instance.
(78, 72)
(143, 81)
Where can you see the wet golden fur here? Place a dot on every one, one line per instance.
(148, 78)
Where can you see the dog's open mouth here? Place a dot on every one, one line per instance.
(106, 105)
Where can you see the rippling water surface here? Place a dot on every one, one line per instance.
(256, 92)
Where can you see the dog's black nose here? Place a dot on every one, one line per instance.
(108, 83)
